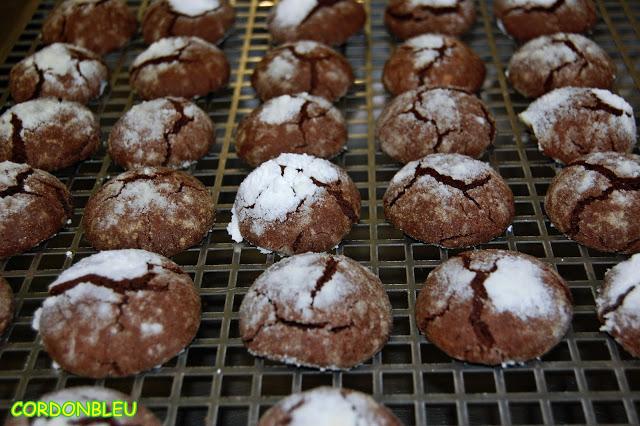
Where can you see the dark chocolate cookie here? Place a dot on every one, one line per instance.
(595, 201)
(618, 304)
(430, 120)
(571, 122)
(434, 60)
(329, 406)
(560, 60)
(98, 25)
(118, 313)
(169, 132)
(34, 205)
(153, 208)
(59, 70)
(494, 306)
(48, 133)
(208, 19)
(450, 200)
(179, 66)
(527, 19)
(300, 123)
(327, 21)
(295, 203)
(317, 310)
(303, 66)
(6, 305)
(409, 18)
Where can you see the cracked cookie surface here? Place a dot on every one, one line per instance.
(170, 132)
(409, 18)
(299, 123)
(208, 19)
(560, 60)
(34, 205)
(494, 306)
(118, 313)
(295, 203)
(179, 66)
(433, 60)
(430, 120)
(317, 310)
(449, 200)
(48, 133)
(571, 122)
(152, 208)
(99, 25)
(329, 406)
(6, 305)
(303, 66)
(618, 304)
(328, 21)
(59, 70)
(595, 201)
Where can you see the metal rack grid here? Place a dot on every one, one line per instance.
(586, 379)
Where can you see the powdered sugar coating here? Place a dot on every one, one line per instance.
(457, 166)
(619, 300)
(165, 47)
(426, 49)
(304, 47)
(433, 3)
(530, 3)
(289, 13)
(57, 60)
(193, 7)
(281, 109)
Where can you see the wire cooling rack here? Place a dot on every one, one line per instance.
(586, 379)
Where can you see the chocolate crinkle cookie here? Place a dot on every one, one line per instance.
(434, 60)
(152, 208)
(169, 132)
(618, 304)
(208, 19)
(571, 122)
(300, 124)
(595, 201)
(303, 66)
(6, 305)
(59, 70)
(327, 21)
(179, 66)
(431, 120)
(329, 406)
(494, 306)
(48, 133)
(118, 313)
(316, 310)
(409, 18)
(527, 19)
(560, 60)
(34, 205)
(295, 203)
(450, 200)
(98, 25)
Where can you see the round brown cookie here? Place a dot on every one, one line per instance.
(48, 133)
(169, 132)
(118, 313)
(152, 208)
(317, 310)
(208, 19)
(59, 70)
(302, 66)
(34, 205)
(98, 25)
(329, 406)
(6, 305)
(300, 123)
(571, 122)
(494, 306)
(327, 21)
(450, 200)
(295, 203)
(434, 60)
(595, 201)
(409, 18)
(618, 304)
(429, 120)
(560, 60)
(179, 66)
(527, 19)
